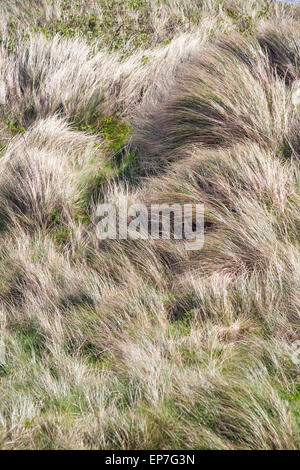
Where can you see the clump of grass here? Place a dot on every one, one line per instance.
(138, 344)
(230, 94)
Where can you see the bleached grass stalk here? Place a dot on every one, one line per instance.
(140, 344)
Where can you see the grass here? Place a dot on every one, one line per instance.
(141, 344)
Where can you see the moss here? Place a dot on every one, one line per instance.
(115, 133)
(121, 163)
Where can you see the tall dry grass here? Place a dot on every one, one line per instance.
(124, 344)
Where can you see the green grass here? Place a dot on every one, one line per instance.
(123, 344)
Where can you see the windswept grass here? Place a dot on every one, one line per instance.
(124, 344)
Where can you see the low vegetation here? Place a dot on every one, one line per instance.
(125, 344)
